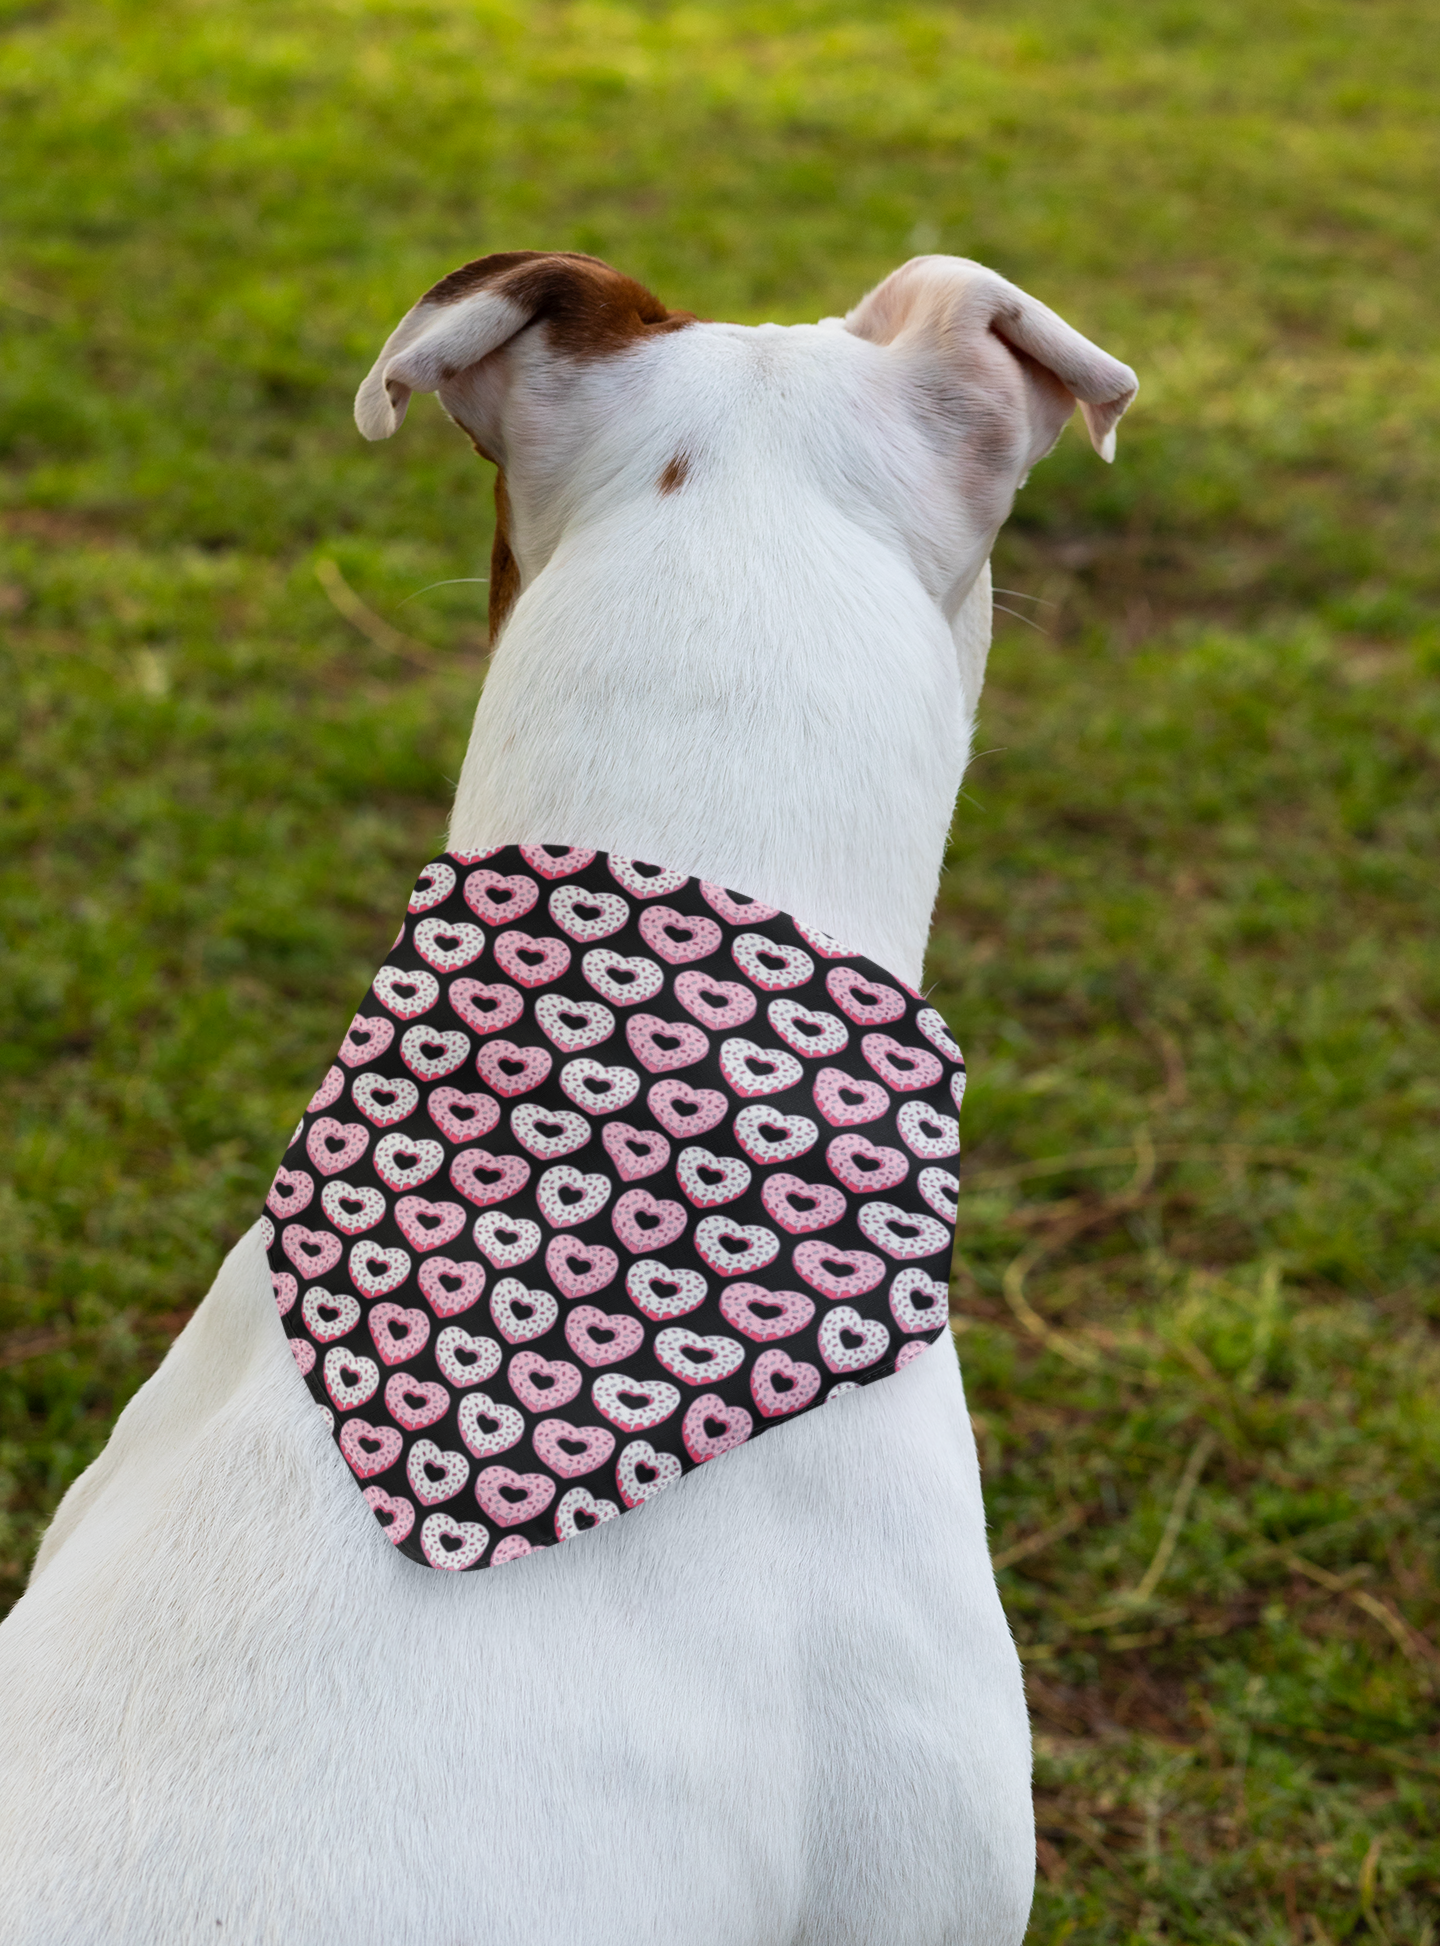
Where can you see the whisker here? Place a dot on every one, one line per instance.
(1021, 618)
(1020, 595)
(478, 580)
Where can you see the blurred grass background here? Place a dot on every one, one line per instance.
(1187, 930)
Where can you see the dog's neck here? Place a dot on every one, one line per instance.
(795, 729)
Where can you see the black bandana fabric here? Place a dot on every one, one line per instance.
(616, 1169)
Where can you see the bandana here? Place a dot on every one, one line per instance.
(616, 1170)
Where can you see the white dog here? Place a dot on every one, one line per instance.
(743, 577)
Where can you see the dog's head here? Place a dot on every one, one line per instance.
(917, 416)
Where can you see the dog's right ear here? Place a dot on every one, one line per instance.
(592, 311)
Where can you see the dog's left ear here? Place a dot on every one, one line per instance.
(958, 323)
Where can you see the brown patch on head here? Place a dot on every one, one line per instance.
(504, 573)
(592, 310)
(677, 471)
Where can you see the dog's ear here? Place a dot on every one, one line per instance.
(592, 311)
(955, 321)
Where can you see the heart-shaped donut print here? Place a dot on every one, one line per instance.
(801, 1207)
(330, 1089)
(407, 994)
(645, 1222)
(925, 1133)
(352, 1210)
(512, 1070)
(533, 961)
(453, 1544)
(852, 1384)
(499, 900)
(624, 981)
(465, 1360)
(678, 939)
(863, 1166)
(735, 907)
(485, 1179)
(641, 1472)
(580, 1269)
(845, 1101)
(333, 1146)
(510, 1547)
(398, 1334)
(645, 881)
(303, 1352)
(433, 887)
(900, 1067)
(376, 1272)
(711, 1180)
(768, 1136)
(548, 1132)
(715, 1003)
(850, 1343)
(683, 1110)
(286, 1291)
(586, 916)
(957, 1088)
(407, 1161)
(427, 1226)
(901, 1233)
(541, 1383)
(567, 1195)
(290, 1192)
(415, 1403)
(661, 1292)
(556, 861)
(661, 1046)
(328, 1315)
(633, 1404)
(450, 1288)
(509, 1497)
(313, 1252)
(825, 944)
(448, 945)
(735, 1249)
(866, 1002)
(267, 1232)
(918, 1302)
(753, 1070)
(838, 1273)
(573, 1025)
(600, 1337)
(435, 1474)
(806, 1031)
(635, 1152)
(384, 1099)
(369, 1449)
(572, 1451)
(579, 1511)
(393, 1511)
(780, 1384)
(366, 1039)
(505, 1240)
(710, 1427)
(487, 1426)
(941, 1191)
(696, 1359)
(461, 1117)
(770, 965)
(433, 1052)
(486, 1006)
(590, 1084)
(765, 1315)
(351, 1379)
(931, 1023)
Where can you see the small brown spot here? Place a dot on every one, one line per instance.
(504, 572)
(675, 474)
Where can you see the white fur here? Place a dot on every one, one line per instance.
(780, 1703)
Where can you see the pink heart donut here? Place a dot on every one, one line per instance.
(635, 1152)
(432, 887)
(505, 1240)
(542, 1383)
(497, 899)
(303, 1352)
(633, 1404)
(484, 1179)
(769, 965)
(453, 1544)
(512, 1070)
(290, 1192)
(735, 1249)
(333, 1146)
(661, 1292)
(394, 1512)
(586, 916)
(432, 1052)
(435, 1474)
(715, 1003)
(735, 907)
(901, 1233)
(425, 1225)
(488, 1427)
(845, 1100)
(753, 1070)
(675, 938)
(848, 1342)
(867, 1002)
(573, 1025)
(351, 1379)
(926, 1133)
(780, 1384)
(904, 1068)
(579, 1269)
(447, 945)
(555, 861)
(286, 1291)
(486, 1008)
(366, 1039)
(330, 1089)
(768, 1136)
(328, 1315)
(570, 1450)
(696, 1359)
(548, 1132)
(376, 1272)
(641, 1472)
(369, 1449)
(683, 1110)
(415, 1403)
(918, 1302)
(644, 1222)
(509, 1497)
(711, 1427)
(661, 1046)
(825, 944)
(384, 1100)
(601, 1090)
(567, 1195)
(407, 995)
(645, 881)
(450, 1288)
(601, 1338)
(941, 1191)
(398, 1334)
(461, 1117)
(624, 982)
(405, 1161)
(765, 1315)
(838, 1273)
(801, 1207)
(520, 1313)
(534, 962)
(861, 1166)
(711, 1180)
(465, 1360)
(805, 1031)
(579, 1511)
(313, 1252)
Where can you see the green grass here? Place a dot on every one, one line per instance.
(1187, 931)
